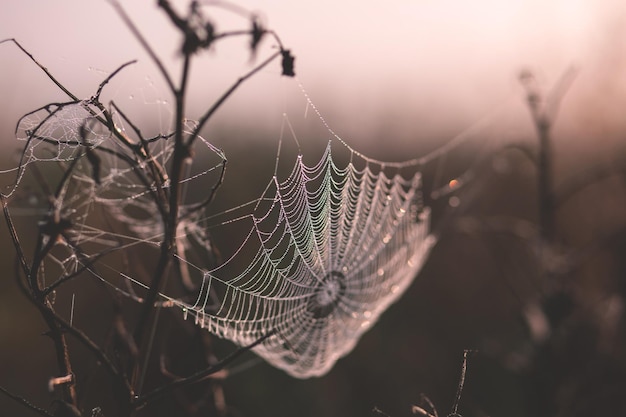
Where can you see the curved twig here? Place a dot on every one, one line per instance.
(207, 115)
(199, 376)
(25, 403)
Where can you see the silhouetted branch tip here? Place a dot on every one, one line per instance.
(288, 63)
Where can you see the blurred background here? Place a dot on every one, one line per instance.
(395, 80)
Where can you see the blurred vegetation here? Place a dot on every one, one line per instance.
(546, 314)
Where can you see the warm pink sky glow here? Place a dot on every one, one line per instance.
(424, 66)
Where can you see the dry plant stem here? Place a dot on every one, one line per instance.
(47, 312)
(199, 376)
(14, 237)
(459, 390)
(205, 118)
(96, 97)
(182, 154)
(87, 265)
(144, 43)
(168, 200)
(168, 245)
(40, 297)
(40, 300)
(25, 403)
(543, 111)
(95, 349)
(156, 170)
(213, 191)
(44, 69)
(546, 203)
(121, 386)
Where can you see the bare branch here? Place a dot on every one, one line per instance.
(205, 118)
(459, 389)
(14, 237)
(199, 376)
(144, 43)
(44, 69)
(25, 403)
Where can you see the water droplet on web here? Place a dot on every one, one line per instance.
(319, 292)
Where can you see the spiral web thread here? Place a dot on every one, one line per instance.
(328, 248)
(334, 248)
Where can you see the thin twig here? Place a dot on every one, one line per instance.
(25, 403)
(100, 355)
(199, 376)
(205, 118)
(44, 69)
(209, 199)
(159, 174)
(543, 111)
(144, 43)
(459, 389)
(180, 156)
(14, 237)
(41, 300)
(85, 267)
(96, 97)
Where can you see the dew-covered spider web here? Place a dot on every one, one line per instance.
(329, 249)
(325, 250)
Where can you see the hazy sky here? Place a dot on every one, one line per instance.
(418, 65)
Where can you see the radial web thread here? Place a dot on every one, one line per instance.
(327, 249)
(334, 248)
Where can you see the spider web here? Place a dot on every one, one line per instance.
(107, 198)
(327, 248)
(334, 247)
